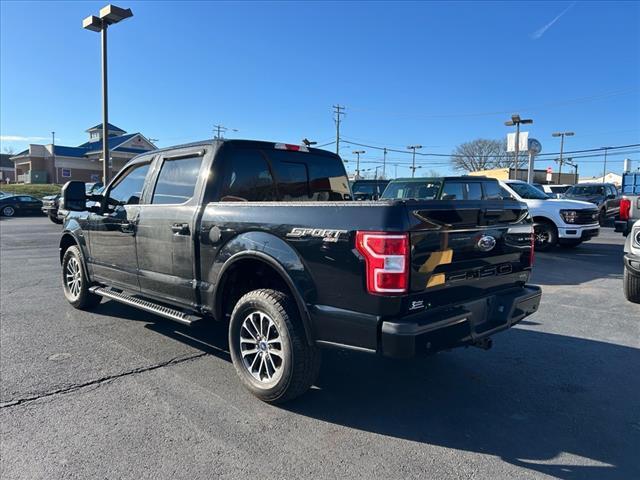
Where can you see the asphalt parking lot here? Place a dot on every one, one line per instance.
(117, 393)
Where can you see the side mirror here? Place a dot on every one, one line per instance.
(74, 197)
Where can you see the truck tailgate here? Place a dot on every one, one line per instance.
(463, 249)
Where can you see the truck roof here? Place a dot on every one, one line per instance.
(242, 144)
(437, 179)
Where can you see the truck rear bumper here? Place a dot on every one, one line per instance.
(461, 325)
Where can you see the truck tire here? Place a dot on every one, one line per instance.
(75, 282)
(54, 219)
(602, 217)
(631, 286)
(546, 236)
(269, 348)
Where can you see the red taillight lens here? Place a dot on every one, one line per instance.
(625, 209)
(386, 257)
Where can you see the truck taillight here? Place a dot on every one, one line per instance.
(625, 209)
(290, 147)
(386, 257)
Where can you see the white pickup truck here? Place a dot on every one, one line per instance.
(556, 221)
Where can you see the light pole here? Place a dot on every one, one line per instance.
(384, 163)
(358, 152)
(561, 135)
(109, 15)
(413, 164)
(516, 120)
(53, 155)
(375, 175)
(604, 171)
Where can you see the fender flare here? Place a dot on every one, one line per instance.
(280, 269)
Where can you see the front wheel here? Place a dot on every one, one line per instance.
(269, 348)
(545, 236)
(631, 286)
(75, 282)
(8, 211)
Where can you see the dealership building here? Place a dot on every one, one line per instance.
(59, 164)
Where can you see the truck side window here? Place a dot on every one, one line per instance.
(127, 190)
(247, 178)
(177, 180)
(474, 191)
(493, 191)
(453, 191)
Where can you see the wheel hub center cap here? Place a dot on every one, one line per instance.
(262, 345)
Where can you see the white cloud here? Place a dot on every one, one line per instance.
(541, 31)
(20, 138)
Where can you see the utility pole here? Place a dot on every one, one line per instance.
(53, 154)
(560, 161)
(338, 110)
(516, 120)
(384, 164)
(358, 152)
(396, 170)
(220, 129)
(604, 171)
(413, 165)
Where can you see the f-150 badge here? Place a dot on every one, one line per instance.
(327, 235)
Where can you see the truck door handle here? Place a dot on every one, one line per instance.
(492, 213)
(180, 228)
(127, 227)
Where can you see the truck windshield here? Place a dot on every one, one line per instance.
(586, 190)
(528, 192)
(415, 190)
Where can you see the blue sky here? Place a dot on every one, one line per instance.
(436, 74)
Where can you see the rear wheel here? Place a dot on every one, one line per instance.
(8, 211)
(269, 348)
(546, 236)
(631, 286)
(602, 216)
(75, 282)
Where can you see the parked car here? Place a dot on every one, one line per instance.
(605, 196)
(367, 189)
(556, 221)
(629, 203)
(11, 205)
(267, 237)
(51, 203)
(444, 188)
(631, 279)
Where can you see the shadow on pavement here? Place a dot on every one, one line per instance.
(537, 400)
(590, 261)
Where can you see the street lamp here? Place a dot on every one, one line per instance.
(516, 120)
(561, 135)
(109, 15)
(413, 165)
(358, 152)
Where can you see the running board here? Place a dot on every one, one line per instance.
(147, 306)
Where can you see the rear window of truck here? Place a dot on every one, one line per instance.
(272, 175)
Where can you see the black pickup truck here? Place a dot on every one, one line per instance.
(267, 237)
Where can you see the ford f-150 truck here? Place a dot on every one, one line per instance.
(267, 238)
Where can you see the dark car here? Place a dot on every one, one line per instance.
(445, 188)
(51, 203)
(605, 196)
(368, 189)
(19, 205)
(265, 238)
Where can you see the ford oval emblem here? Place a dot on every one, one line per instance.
(486, 243)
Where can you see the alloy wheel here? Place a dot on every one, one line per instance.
(73, 277)
(261, 347)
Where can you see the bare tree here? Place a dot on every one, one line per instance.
(9, 150)
(480, 154)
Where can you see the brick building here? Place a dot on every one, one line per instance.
(59, 164)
